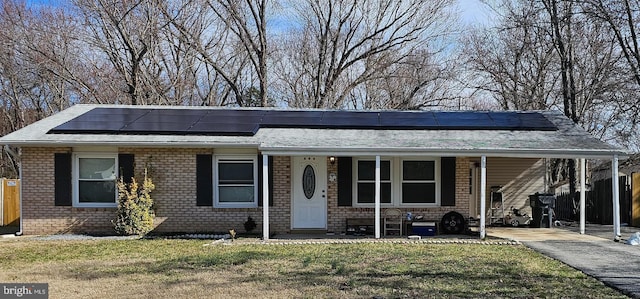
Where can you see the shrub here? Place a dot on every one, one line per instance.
(135, 213)
(249, 225)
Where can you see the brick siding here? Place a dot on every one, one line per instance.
(173, 173)
(337, 216)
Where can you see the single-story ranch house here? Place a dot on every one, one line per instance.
(290, 170)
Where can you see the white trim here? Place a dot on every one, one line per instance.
(75, 181)
(319, 164)
(355, 181)
(583, 195)
(400, 152)
(483, 196)
(396, 164)
(216, 189)
(377, 198)
(437, 181)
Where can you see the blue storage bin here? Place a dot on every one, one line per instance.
(425, 229)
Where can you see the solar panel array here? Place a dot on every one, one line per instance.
(247, 122)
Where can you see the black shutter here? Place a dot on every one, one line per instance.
(125, 163)
(204, 180)
(448, 181)
(260, 180)
(345, 186)
(62, 176)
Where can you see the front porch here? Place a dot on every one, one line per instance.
(467, 181)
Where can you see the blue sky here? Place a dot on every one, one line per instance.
(472, 11)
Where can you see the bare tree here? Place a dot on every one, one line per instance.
(623, 19)
(421, 80)
(341, 45)
(547, 55)
(228, 51)
(39, 68)
(514, 62)
(125, 31)
(247, 22)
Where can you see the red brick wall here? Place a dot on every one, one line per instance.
(39, 214)
(337, 215)
(173, 173)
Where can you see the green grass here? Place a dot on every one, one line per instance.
(186, 268)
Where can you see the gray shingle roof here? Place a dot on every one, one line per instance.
(567, 141)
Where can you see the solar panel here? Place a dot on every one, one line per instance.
(247, 122)
(275, 114)
(162, 126)
(75, 126)
(100, 120)
(464, 120)
(397, 119)
(296, 118)
(224, 129)
(535, 121)
(350, 119)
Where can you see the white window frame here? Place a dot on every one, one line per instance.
(238, 158)
(355, 180)
(396, 181)
(436, 181)
(75, 184)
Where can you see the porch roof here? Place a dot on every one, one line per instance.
(564, 140)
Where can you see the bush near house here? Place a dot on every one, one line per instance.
(135, 213)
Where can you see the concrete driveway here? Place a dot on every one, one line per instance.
(614, 263)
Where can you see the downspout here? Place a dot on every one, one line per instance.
(19, 233)
(616, 198)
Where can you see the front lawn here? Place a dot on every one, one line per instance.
(187, 268)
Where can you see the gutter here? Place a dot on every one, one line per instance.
(516, 153)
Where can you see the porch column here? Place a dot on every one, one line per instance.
(483, 195)
(265, 197)
(616, 198)
(583, 194)
(377, 198)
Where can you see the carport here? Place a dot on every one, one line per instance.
(581, 157)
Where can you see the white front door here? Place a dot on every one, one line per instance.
(309, 202)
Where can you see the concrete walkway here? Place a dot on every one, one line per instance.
(614, 263)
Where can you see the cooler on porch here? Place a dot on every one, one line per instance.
(424, 229)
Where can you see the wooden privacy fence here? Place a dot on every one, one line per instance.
(599, 203)
(10, 202)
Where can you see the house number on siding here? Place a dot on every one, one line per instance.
(308, 181)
